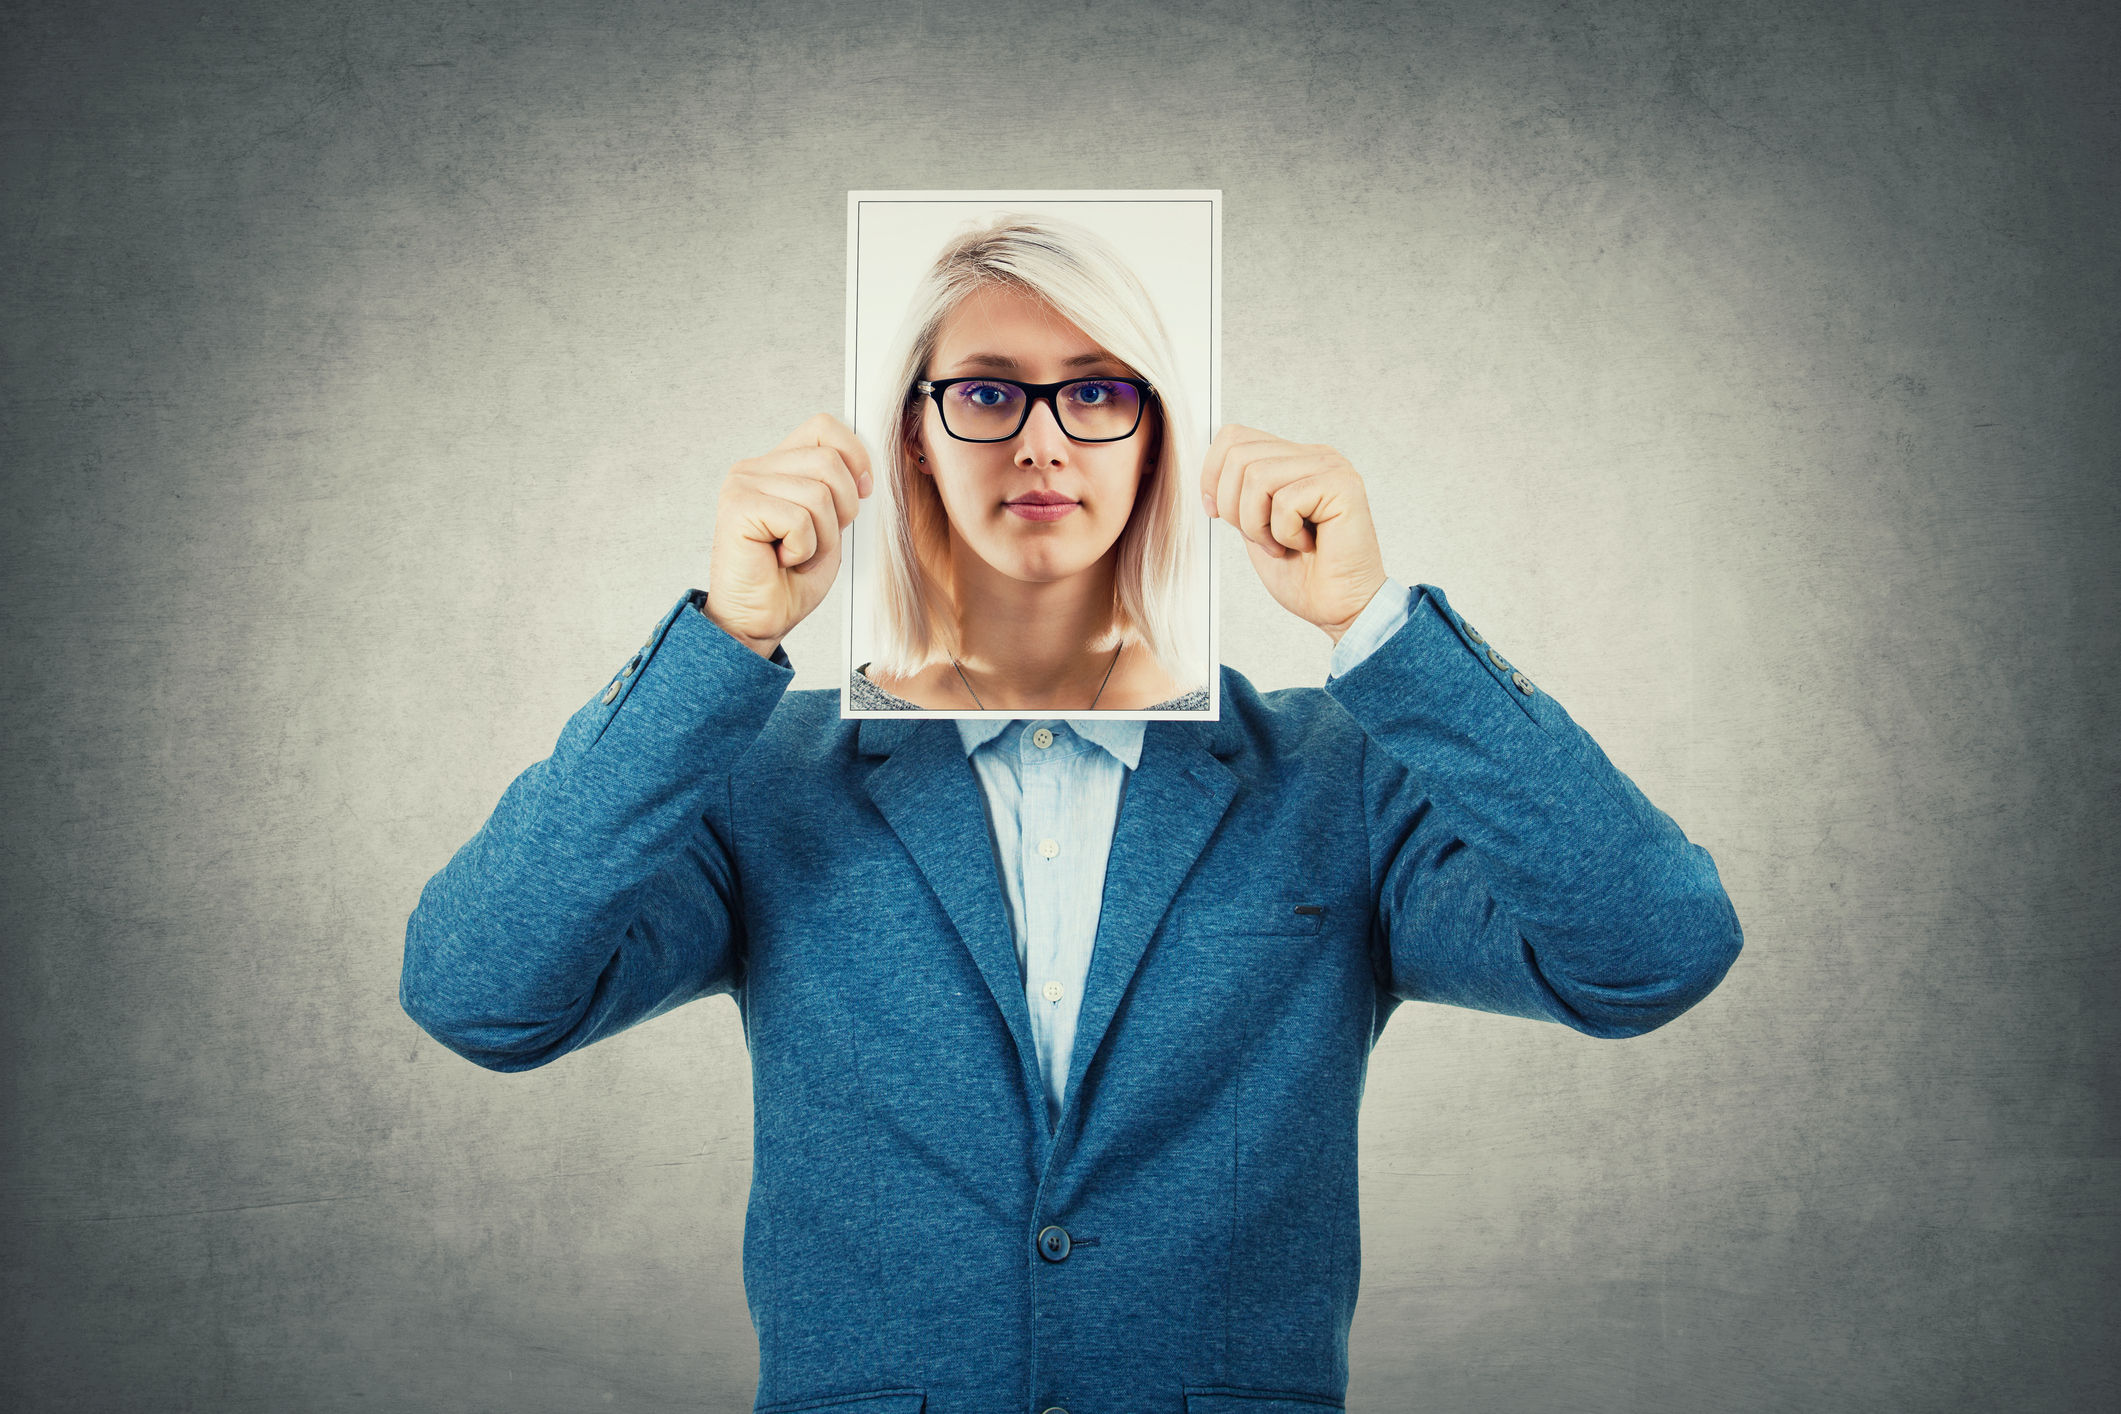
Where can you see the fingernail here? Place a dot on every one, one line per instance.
(1207, 503)
(866, 483)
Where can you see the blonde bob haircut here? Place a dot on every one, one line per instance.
(919, 620)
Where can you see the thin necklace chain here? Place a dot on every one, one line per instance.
(1093, 701)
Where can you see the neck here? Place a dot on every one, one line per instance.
(1036, 646)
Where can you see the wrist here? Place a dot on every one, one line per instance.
(762, 646)
(1338, 628)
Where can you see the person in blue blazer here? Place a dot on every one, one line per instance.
(1058, 1025)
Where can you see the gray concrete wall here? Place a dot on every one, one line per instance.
(1746, 372)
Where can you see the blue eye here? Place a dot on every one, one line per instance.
(984, 395)
(1101, 393)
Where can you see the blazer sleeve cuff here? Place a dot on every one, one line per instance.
(688, 685)
(1384, 616)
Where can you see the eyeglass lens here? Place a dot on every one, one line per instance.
(1093, 410)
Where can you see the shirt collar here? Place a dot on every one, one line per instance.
(1120, 736)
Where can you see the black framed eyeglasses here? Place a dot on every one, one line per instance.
(996, 409)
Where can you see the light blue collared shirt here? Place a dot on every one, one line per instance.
(1053, 788)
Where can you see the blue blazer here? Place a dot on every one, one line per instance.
(1431, 826)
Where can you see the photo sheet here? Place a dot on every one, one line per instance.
(1171, 241)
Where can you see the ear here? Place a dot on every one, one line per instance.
(910, 433)
(1154, 452)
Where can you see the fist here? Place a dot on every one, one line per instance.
(1306, 522)
(777, 531)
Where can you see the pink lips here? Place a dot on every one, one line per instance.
(1041, 505)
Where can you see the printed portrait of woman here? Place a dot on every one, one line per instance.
(1038, 545)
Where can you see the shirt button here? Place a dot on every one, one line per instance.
(1053, 1244)
(1496, 659)
(1053, 991)
(611, 692)
(1474, 634)
(1056, 1409)
(1049, 848)
(1042, 738)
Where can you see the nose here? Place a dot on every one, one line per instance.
(1041, 442)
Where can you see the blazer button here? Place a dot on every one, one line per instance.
(1053, 1244)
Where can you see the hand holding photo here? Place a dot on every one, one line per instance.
(1305, 519)
(777, 532)
(1029, 372)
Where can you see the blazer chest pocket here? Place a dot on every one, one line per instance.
(1258, 1401)
(882, 1401)
(1290, 918)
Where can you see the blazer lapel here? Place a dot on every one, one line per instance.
(930, 798)
(1175, 799)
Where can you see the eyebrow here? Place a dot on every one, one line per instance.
(1008, 364)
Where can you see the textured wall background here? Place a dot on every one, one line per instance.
(1747, 372)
